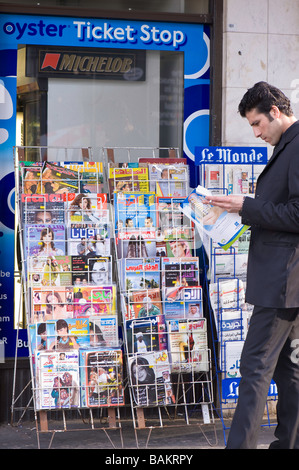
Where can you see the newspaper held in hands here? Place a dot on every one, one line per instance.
(221, 226)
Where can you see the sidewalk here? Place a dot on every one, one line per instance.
(79, 435)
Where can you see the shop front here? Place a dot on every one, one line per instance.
(71, 81)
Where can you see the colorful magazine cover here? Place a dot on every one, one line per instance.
(94, 301)
(144, 303)
(222, 227)
(134, 210)
(104, 331)
(45, 240)
(49, 271)
(179, 272)
(169, 180)
(140, 273)
(169, 213)
(150, 379)
(50, 303)
(40, 209)
(183, 303)
(146, 334)
(57, 180)
(136, 243)
(30, 177)
(87, 208)
(188, 345)
(127, 179)
(91, 270)
(58, 380)
(89, 239)
(102, 377)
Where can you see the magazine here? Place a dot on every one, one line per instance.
(94, 301)
(44, 240)
(91, 270)
(140, 273)
(150, 379)
(169, 214)
(103, 331)
(57, 179)
(144, 303)
(188, 345)
(179, 272)
(30, 177)
(184, 303)
(57, 379)
(127, 179)
(50, 303)
(136, 243)
(221, 226)
(49, 271)
(169, 180)
(40, 209)
(134, 210)
(89, 239)
(102, 377)
(87, 208)
(146, 334)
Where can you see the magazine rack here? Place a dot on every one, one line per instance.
(173, 324)
(76, 360)
(165, 332)
(225, 283)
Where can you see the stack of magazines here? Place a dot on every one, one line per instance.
(72, 317)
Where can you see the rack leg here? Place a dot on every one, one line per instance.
(140, 418)
(111, 417)
(43, 419)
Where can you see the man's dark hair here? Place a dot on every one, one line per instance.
(262, 97)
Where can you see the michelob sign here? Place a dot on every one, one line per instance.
(66, 62)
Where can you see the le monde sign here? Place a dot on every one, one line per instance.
(116, 64)
(231, 155)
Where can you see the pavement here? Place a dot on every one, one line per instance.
(174, 438)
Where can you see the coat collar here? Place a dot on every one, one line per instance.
(286, 137)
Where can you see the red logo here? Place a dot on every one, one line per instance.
(50, 60)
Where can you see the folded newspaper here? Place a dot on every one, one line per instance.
(221, 226)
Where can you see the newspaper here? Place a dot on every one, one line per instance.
(222, 227)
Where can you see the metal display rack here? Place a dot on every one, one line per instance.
(225, 283)
(167, 354)
(179, 362)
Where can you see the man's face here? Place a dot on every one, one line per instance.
(268, 128)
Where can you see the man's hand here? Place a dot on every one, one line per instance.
(227, 203)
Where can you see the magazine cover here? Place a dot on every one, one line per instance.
(42, 209)
(140, 273)
(51, 303)
(87, 208)
(134, 210)
(89, 239)
(179, 272)
(49, 271)
(57, 179)
(45, 240)
(128, 179)
(91, 270)
(150, 379)
(146, 334)
(58, 381)
(30, 177)
(104, 332)
(103, 378)
(183, 303)
(70, 333)
(136, 243)
(144, 303)
(169, 213)
(221, 226)
(41, 336)
(232, 325)
(94, 301)
(169, 180)
(187, 345)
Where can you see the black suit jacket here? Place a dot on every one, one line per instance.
(273, 259)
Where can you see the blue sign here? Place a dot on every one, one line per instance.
(191, 39)
(231, 155)
(230, 389)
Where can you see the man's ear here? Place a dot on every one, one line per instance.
(274, 112)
